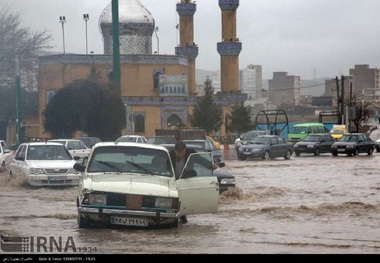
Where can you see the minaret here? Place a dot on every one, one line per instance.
(187, 46)
(230, 47)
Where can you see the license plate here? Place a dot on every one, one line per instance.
(247, 153)
(55, 178)
(341, 150)
(128, 221)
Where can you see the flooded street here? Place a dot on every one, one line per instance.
(307, 204)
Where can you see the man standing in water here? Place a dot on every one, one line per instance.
(179, 156)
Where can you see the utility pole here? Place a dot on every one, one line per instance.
(338, 100)
(18, 102)
(342, 102)
(116, 45)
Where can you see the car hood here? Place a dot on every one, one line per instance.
(47, 164)
(307, 143)
(131, 184)
(220, 172)
(254, 146)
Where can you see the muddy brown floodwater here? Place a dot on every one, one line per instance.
(308, 204)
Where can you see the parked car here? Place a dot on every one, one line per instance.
(266, 147)
(131, 138)
(161, 139)
(44, 164)
(134, 185)
(76, 147)
(377, 145)
(353, 144)
(225, 178)
(208, 146)
(216, 144)
(5, 154)
(314, 143)
(301, 130)
(89, 141)
(248, 137)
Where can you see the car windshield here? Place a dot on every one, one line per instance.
(311, 139)
(299, 130)
(123, 159)
(48, 152)
(161, 140)
(337, 132)
(349, 138)
(261, 140)
(126, 139)
(250, 136)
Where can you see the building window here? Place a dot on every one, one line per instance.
(140, 123)
(174, 120)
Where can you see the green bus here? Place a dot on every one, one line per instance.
(301, 130)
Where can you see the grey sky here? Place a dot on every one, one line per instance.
(301, 37)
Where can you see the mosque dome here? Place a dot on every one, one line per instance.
(136, 26)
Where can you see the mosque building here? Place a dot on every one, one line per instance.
(158, 91)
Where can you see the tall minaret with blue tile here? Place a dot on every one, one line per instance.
(230, 47)
(187, 47)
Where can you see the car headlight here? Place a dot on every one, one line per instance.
(36, 171)
(310, 146)
(96, 199)
(227, 181)
(163, 202)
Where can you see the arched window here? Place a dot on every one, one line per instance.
(139, 123)
(174, 120)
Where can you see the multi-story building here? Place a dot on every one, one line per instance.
(284, 89)
(251, 82)
(366, 81)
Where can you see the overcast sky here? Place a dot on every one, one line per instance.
(307, 38)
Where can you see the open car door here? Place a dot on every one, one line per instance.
(198, 189)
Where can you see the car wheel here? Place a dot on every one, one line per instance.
(83, 222)
(266, 155)
(288, 155)
(370, 152)
(356, 152)
(297, 153)
(242, 158)
(317, 152)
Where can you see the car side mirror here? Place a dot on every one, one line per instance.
(79, 167)
(20, 158)
(220, 163)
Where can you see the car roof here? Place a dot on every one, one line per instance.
(130, 144)
(62, 140)
(190, 146)
(41, 143)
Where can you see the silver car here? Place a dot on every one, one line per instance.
(266, 147)
(44, 164)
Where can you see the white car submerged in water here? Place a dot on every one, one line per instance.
(133, 185)
(44, 164)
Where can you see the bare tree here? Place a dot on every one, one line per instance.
(18, 42)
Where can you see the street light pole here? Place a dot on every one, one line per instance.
(62, 20)
(158, 40)
(18, 102)
(86, 18)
